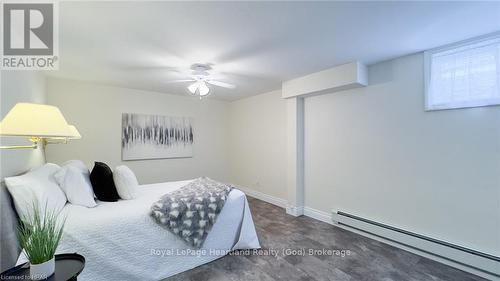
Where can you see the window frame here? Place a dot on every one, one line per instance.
(427, 72)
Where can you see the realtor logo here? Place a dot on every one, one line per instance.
(29, 36)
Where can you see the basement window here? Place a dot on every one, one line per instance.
(463, 75)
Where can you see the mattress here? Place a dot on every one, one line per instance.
(120, 241)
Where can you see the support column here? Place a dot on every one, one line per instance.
(339, 78)
(295, 156)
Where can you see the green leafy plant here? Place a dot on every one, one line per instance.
(39, 234)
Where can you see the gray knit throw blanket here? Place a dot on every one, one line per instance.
(191, 211)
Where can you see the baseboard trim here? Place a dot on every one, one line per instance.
(295, 211)
(280, 202)
(318, 215)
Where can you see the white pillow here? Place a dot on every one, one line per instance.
(77, 164)
(75, 182)
(38, 186)
(126, 183)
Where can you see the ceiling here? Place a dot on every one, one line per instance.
(254, 45)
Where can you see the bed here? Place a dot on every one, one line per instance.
(120, 240)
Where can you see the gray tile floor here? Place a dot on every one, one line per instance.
(368, 259)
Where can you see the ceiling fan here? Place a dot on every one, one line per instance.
(201, 77)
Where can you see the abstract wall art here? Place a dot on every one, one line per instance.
(156, 136)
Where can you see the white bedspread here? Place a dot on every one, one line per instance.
(120, 241)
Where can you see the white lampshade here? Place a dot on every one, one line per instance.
(193, 87)
(203, 89)
(74, 133)
(35, 120)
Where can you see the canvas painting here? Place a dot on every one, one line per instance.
(156, 137)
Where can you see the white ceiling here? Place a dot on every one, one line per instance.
(254, 45)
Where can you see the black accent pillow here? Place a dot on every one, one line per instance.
(103, 184)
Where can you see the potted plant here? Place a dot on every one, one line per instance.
(39, 234)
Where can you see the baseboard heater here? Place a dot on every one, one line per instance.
(416, 235)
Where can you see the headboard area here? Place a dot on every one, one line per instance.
(9, 245)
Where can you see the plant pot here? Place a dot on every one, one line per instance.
(43, 270)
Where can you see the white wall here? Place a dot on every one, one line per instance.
(258, 143)
(376, 153)
(97, 111)
(19, 86)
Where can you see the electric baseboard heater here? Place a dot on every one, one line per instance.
(476, 253)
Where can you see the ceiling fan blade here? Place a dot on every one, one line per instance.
(221, 84)
(180, 81)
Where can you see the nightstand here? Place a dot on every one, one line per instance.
(68, 267)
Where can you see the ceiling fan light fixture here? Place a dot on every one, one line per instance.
(201, 77)
(193, 87)
(203, 89)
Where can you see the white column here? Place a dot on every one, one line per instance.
(339, 78)
(295, 156)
